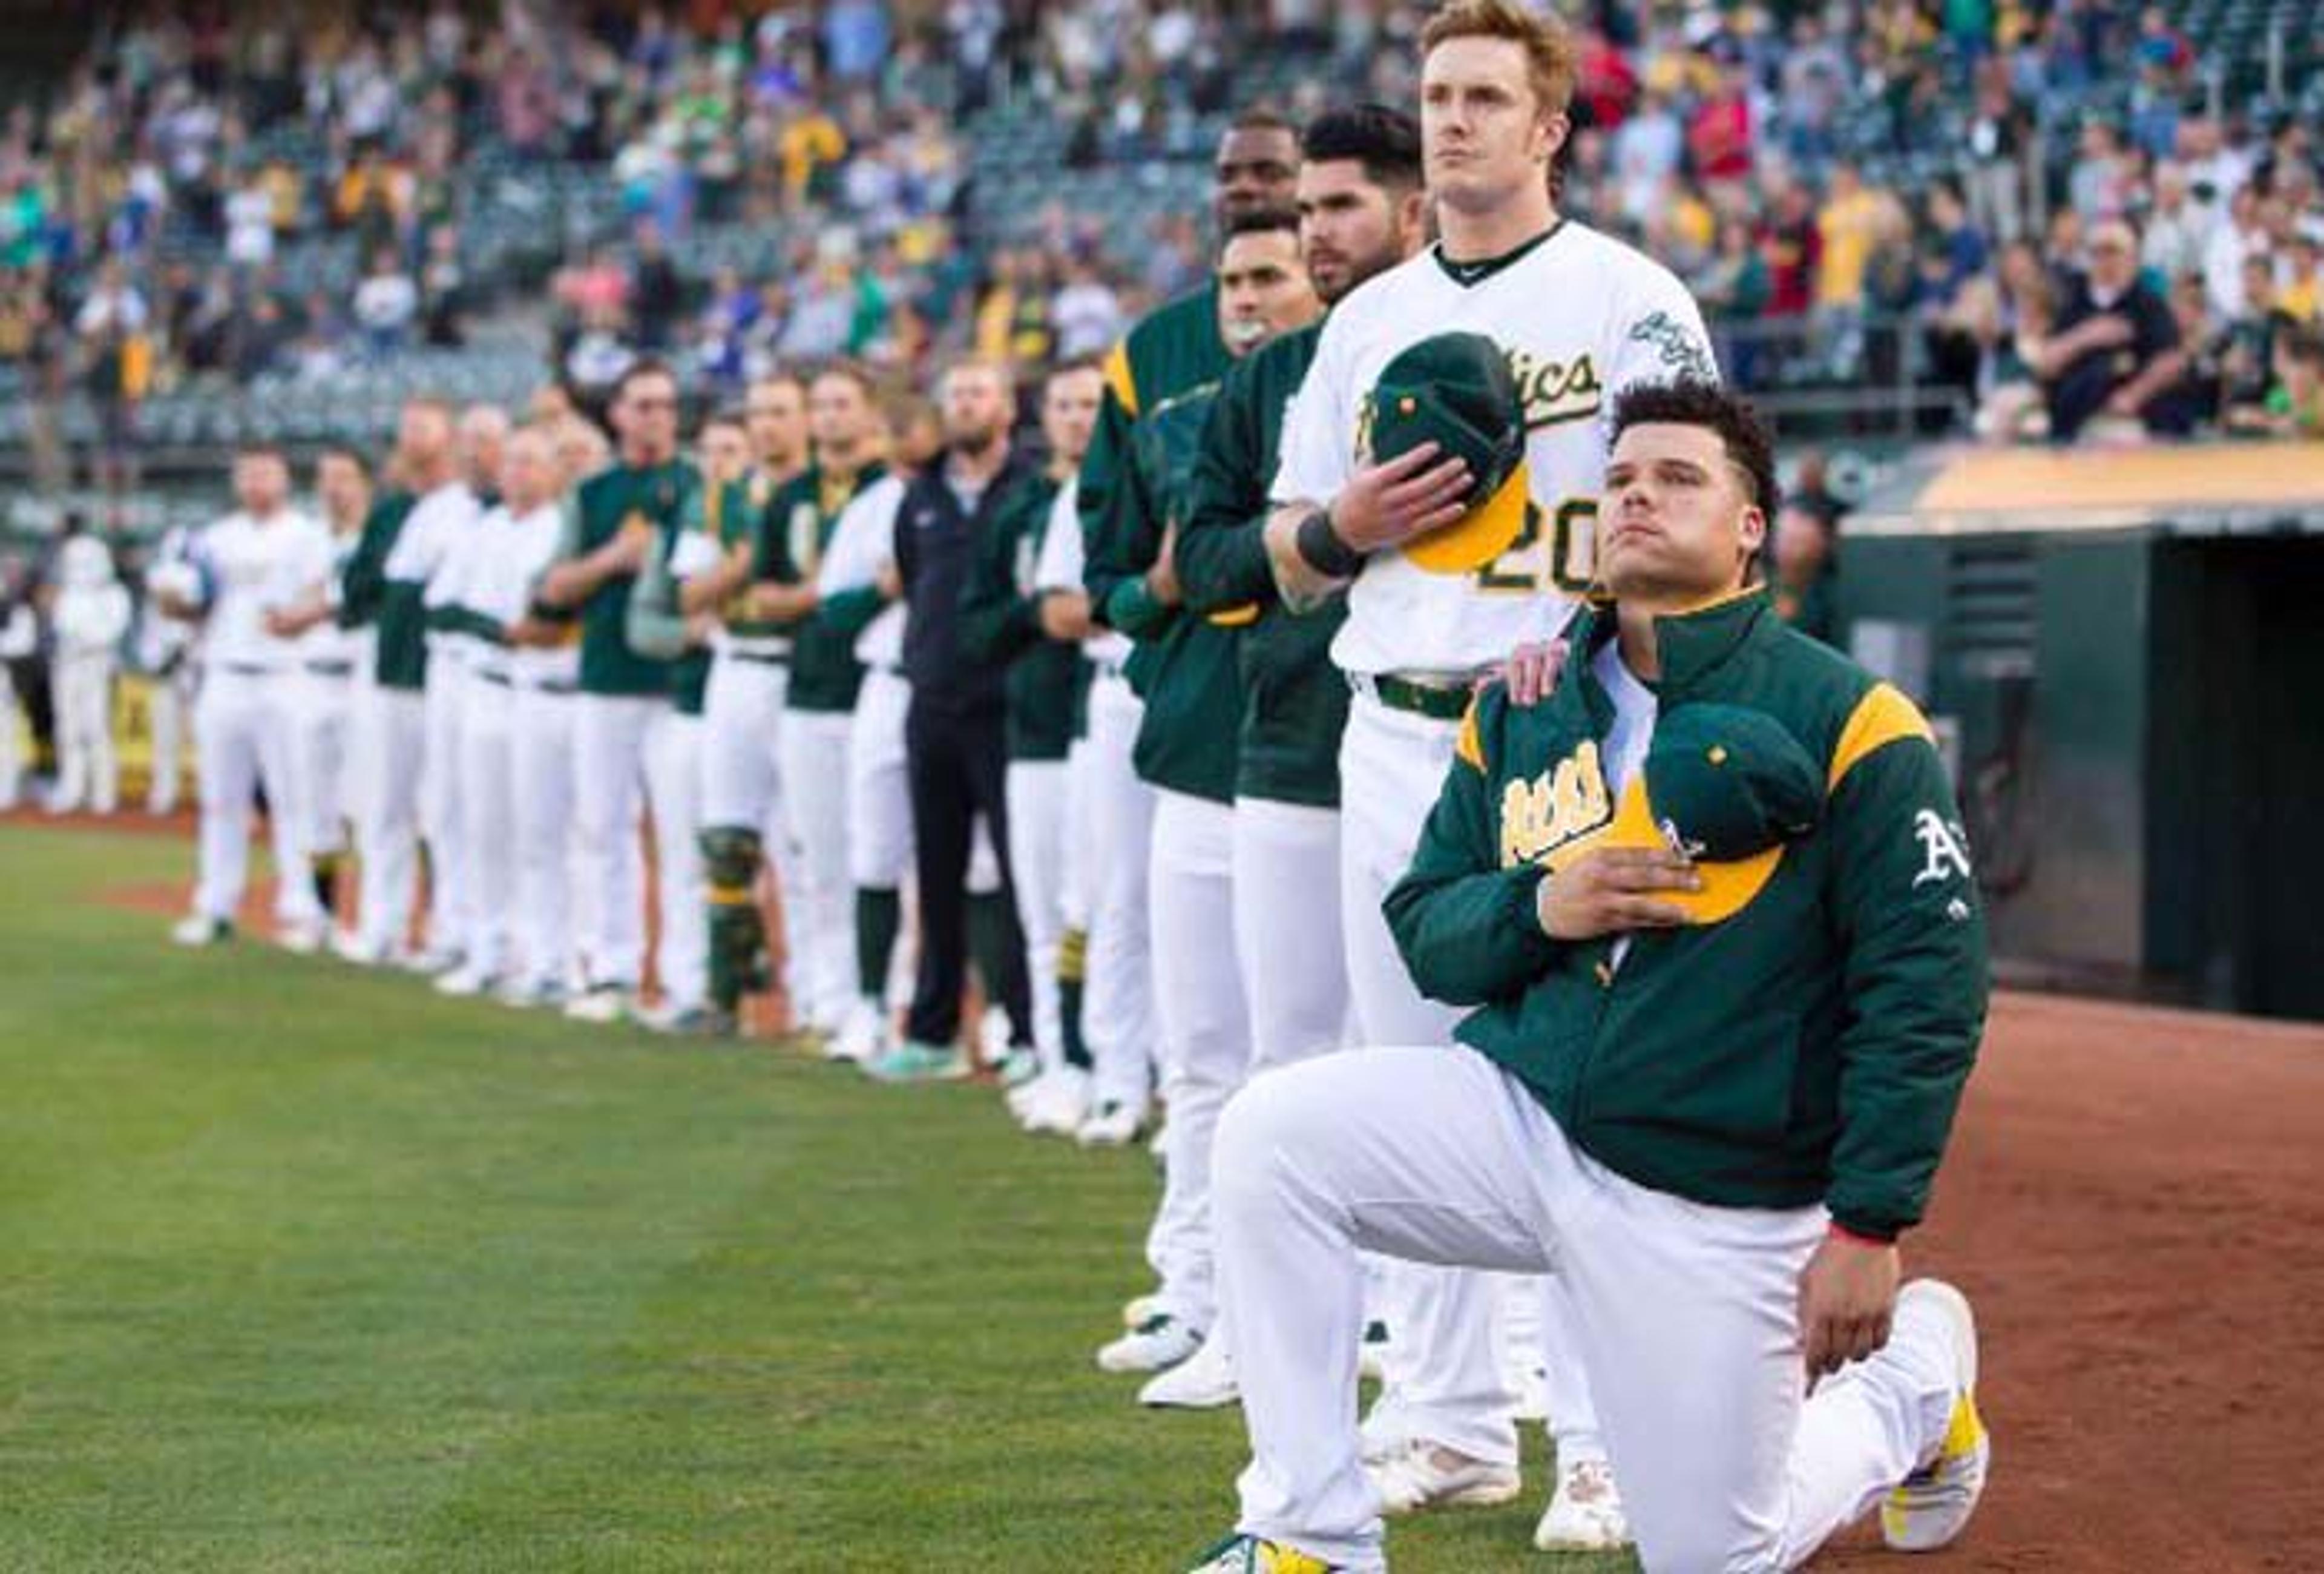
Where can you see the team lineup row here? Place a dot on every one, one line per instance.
(1598, 1031)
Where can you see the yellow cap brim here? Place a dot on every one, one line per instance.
(1727, 888)
(1484, 534)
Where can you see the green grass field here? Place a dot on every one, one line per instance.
(305, 1268)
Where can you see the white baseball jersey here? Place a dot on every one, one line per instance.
(522, 553)
(435, 547)
(1059, 566)
(865, 538)
(1581, 317)
(327, 641)
(255, 568)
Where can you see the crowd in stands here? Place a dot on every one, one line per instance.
(1868, 193)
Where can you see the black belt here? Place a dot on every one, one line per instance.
(556, 686)
(763, 658)
(332, 669)
(498, 680)
(1439, 702)
(247, 669)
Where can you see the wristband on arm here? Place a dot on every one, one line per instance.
(1321, 547)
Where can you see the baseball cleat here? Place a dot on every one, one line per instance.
(350, 947)
(200, 929)
(301, 939)
(429, 960)
(1425, 1476)
(913, 1061)
(1931, 1506)
(1240, 1554)
(1160, 1342)
(861, 1039)
(1205, 1380)
(1372, 1355)
(600, 1003)
(464, 982)
(1112, 1124)
(676, 1021)
(1055, 1104)
(1019, 1069)
(525, 992)
(1585, 1513)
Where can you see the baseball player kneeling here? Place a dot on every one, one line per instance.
(1717, 920)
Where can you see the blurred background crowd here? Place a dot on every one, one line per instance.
(2006, 220)
(1995, 214)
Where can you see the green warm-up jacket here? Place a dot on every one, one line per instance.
(1811, 1047)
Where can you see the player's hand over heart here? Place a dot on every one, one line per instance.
(1385, 506)
(1848, 1294)
(1611, 890)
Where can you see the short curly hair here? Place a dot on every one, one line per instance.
(1691, 402)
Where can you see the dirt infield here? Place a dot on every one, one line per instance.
(2134, 1201)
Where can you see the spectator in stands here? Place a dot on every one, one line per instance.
(2241, 235)
(443, 289)
(1789, 242)
(250, 224)
(2115, 351)
(2297, 284)
(1804, 565)
(2294, 407)
(386, 302)
(116, 366)
(657, 294)
(2247, 348)
(1999, 130)
(2101, 183)
(2178, 227)
(1085, 312)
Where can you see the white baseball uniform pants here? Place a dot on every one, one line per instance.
(387, 750)
(80, 691)
(323, 708)
(1036, 796)
(243, 731)
(819, 924)
(1205, 1033)
(609, 766)
(168, 704)
(880, 847)
(487, 831)
(674, 794)
(743, 783)
(450, 907)
(1686, 1314)
(1286, 928)
(1074, 856)
(539, 794)
(12, 743)
(1445, 1352)
(1118, 1020)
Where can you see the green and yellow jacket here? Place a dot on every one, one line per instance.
(659, 495)
(368, 600)
(794, 530)
(1295, 701)
(1812, 1047)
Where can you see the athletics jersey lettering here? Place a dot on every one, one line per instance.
(1580, 317)
(1563, 804)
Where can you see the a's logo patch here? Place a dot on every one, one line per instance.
(1944, 852)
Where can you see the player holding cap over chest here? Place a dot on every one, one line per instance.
(1442, 463)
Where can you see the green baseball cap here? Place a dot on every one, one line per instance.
(1456, 390)
(1724, 785)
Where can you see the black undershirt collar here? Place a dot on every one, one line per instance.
(1470, 274)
